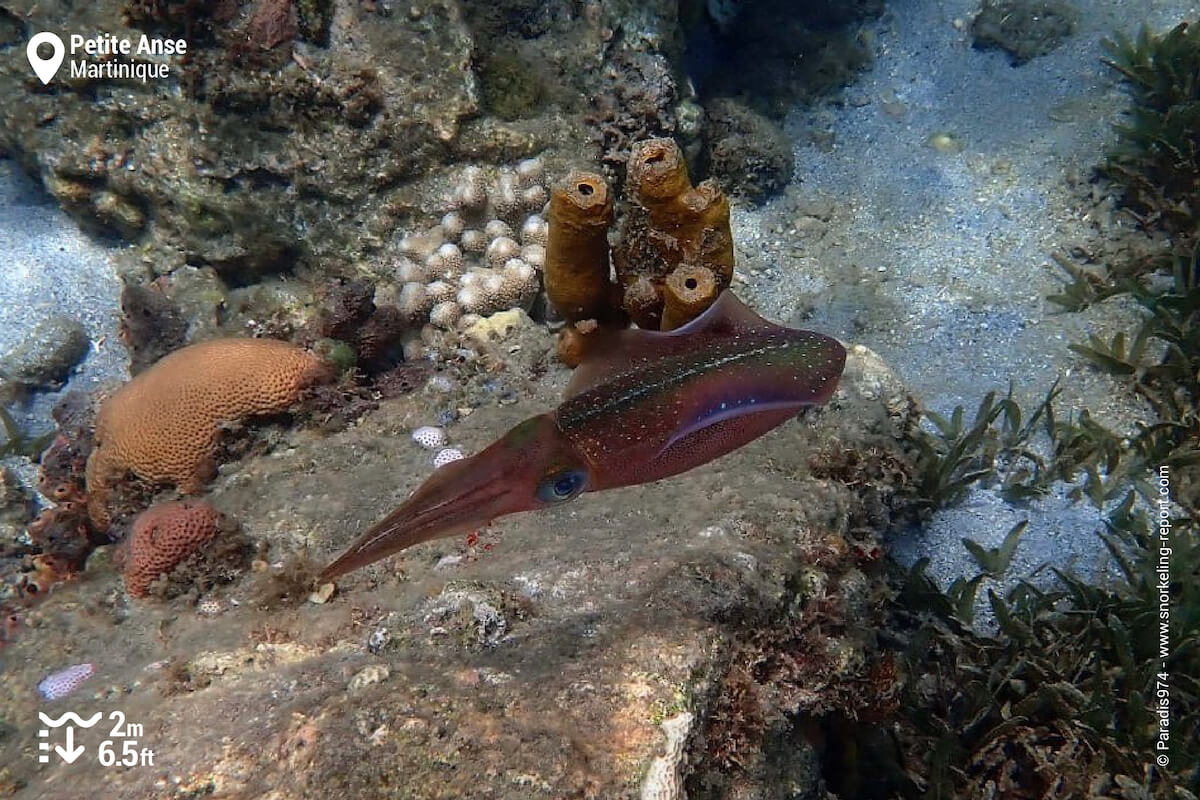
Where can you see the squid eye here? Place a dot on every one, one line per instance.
(558, 487)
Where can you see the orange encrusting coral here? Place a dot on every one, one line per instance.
(163, 425)
(163, 536)
(576, 265)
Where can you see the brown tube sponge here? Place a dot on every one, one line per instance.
(714, 245)
(659, 174)
(671, 224)
(689, 290)
(698, 217)
(643, 303)
(576, 270)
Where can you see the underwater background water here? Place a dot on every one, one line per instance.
(800, 618)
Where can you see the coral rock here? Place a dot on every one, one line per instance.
(61, 533)
(378, 339)
(748, 152)
(663, 780)
(47, 353)
(163, 536)
(163, 425)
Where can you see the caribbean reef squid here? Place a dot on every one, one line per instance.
(643, 405)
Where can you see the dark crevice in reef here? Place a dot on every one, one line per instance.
(774, 53)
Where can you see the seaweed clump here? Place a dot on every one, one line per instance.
(1085, 689)
(1065, 699)
(1157, 160)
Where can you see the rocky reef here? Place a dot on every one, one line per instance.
(340, 216)
(1024, 29)
(307, 138)
(480, 662)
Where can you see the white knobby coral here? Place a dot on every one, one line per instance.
(493, 272)
(445, 314)
(484, 291)
(535, 230)
(521, 283)
(452, 260)
(471, 299)
(414, 301)
(534, 197)
(663, 780)
(530, 171)
(473, 241)
(496, 228)
(453, 225)
(534, 255)
(506, 196)
(440, 292)
(471, 191)
(501, 250)
(409, 271)
(418, 246)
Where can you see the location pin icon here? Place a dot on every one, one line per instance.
(45, 68)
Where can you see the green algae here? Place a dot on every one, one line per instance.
(509, 86)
